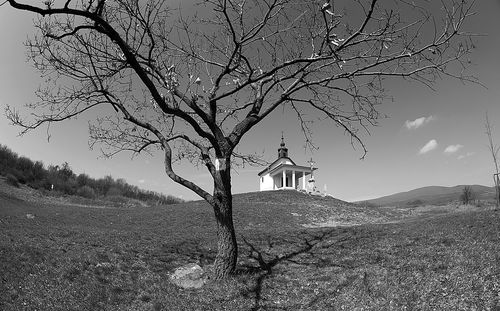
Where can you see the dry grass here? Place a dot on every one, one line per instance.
(73, 258)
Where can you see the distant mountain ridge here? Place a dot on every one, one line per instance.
(432, 195)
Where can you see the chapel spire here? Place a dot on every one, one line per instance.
(282, 151)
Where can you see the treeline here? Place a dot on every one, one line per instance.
(62, 179)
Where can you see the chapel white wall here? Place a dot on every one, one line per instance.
(266, 182)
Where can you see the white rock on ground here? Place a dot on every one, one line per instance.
(189, 276)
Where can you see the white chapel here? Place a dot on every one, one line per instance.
(285, 174)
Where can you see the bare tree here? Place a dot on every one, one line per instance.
(494, 154)
(193, 85)
(467, 195)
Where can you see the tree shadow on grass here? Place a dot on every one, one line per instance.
(304, 248)
(268, 261)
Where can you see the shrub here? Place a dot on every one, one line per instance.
(65, 171)
(84, 179)
(39, 171)
(8, 159)
(86, 192)
(12, 180)
(172, 200)
(114, 191)
(20, 176)
(40, 184)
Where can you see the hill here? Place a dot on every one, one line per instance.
(58, 256)
(432, 195)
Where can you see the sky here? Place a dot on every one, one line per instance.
(428, 138)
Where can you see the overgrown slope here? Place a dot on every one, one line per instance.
(19, 170)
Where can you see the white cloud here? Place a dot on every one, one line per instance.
(415, 124)
(141, 181)
(431, 145)
(468, 154)
(452, 148)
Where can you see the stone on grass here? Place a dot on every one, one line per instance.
(189, 276)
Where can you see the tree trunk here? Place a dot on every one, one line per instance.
(496, 181)
(227, 248)
(497, 199)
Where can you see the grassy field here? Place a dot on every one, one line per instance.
(69, 257)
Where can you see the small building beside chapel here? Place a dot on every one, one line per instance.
(285, 174)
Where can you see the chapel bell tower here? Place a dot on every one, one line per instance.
(282, 151)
